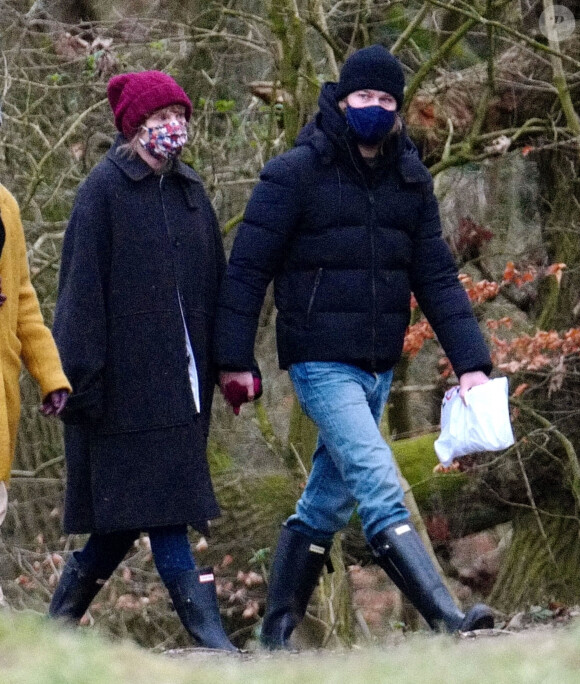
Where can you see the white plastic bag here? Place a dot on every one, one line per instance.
(481, 425)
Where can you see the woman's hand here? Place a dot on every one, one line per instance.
(54, 403)
(239, 387)
(469, 380)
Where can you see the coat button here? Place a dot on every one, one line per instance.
(176, 242)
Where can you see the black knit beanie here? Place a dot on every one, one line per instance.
(372, 67)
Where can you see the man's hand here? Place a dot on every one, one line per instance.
(54, 403)
(238, 387)
(469, 380)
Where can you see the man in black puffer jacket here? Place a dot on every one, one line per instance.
(347, 225)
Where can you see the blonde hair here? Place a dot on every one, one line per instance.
(129, 149)
(398, 125)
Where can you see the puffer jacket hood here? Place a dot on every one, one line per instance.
(329, 134)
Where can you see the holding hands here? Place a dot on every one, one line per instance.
(239, 387)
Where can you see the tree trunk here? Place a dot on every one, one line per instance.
(560, 194)
(541, 564)
(296, 74)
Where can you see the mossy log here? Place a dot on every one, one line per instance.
(255, 504)
(448, 494)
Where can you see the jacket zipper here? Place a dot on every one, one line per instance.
(373, 265)
(313, 295)
(373, 278)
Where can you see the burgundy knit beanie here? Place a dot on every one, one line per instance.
(135, 96)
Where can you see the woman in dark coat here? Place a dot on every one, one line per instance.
(141, 266)
(347, 226)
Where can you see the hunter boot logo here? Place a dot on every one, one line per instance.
(314, 548)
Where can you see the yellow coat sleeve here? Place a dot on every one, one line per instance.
(39, 352)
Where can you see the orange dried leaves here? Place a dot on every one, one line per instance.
(526, 352)
(532, 352)
(416, 336)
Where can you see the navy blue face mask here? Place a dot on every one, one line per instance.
(370, 124)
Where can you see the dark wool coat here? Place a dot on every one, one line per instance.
(135, 445)
(346, 244)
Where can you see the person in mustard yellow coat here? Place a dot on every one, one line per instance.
(23, 337)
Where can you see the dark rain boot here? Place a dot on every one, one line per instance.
(74, 592)
(398, 549)
(195, 600)
(296, 567)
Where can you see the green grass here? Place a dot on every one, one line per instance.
(33, 651)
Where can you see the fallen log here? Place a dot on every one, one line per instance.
(521, 92)
(255, 504)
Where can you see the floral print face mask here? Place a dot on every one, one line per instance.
(165, 141)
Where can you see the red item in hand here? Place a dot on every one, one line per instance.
(236, 394)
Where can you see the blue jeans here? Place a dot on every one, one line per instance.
(352, 463)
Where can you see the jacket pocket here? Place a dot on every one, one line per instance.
(312, 299)
(86, 406)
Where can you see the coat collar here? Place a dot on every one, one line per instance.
(136, 169)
